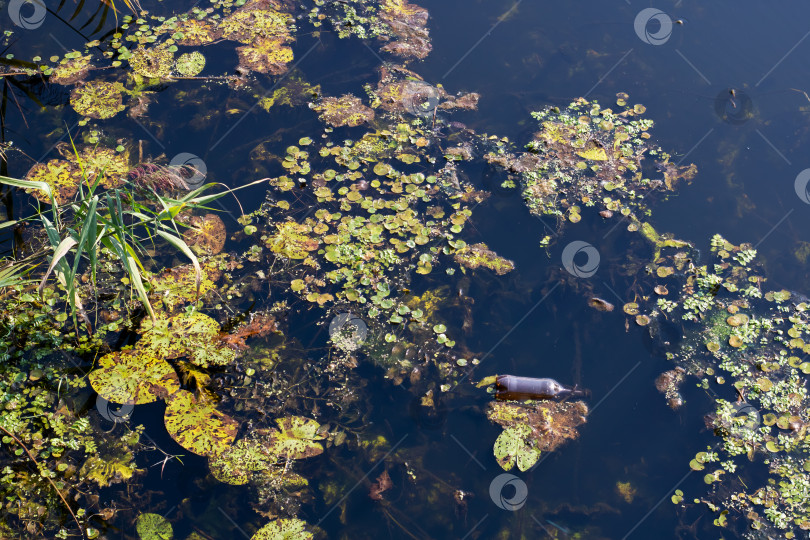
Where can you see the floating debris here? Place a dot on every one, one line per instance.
(509, 387)
(600, 304)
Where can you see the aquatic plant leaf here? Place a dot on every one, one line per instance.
(154, 62)
(292, 241)
(508, 444)
(257, 19)
(190, 64)
(61, 176)
(251, 460)
(108, 470)
(265, 55)
(206, 234)
(534, 427)
(93, 161)
(284, 529)
(296, 438)
(71, 71)
(171, 337)
(98, 99)
(198, 426)
(236, 464)
(347, 110)
(194, 336)
(478, 255)
(211, 353)
(153, 527)
(178, 286)
(194, 32)
(134, 376)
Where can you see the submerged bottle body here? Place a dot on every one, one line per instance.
(512, 388)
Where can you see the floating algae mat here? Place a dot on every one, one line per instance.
(261, 278)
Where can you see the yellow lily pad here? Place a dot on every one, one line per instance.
(190, 335)
(296, 438)
(284, 529)
(133, 377)
(198, 426)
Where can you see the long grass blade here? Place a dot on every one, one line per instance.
(59, 253)
(27, 184)
(182, 246)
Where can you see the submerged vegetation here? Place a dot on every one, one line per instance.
(126, 288)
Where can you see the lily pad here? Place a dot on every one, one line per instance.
(98, 99)
(190, 64)
(530, 429)
(292, 241)
(134, 377)
(62, 176)
(177, 286)
(347, 110)
(154, 62)
(265, 55)
(197, 425)
(250, 460)
(190, 335)
(153, 527)
(296, 438)
(206, 234)
(514, 446)
(93, 161)
(71, 71)
(284, 529)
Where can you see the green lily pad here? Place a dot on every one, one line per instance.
(514, 446)
(190, 64)
(198, 426)
(153, 527)
(98, 99)
(284, 529)
(155, 62)
(292, 241)
(134, 376)
(296, 438)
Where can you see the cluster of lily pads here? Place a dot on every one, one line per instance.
(747, 346)
(588, 156)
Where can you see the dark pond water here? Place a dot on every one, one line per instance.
(521, 56)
